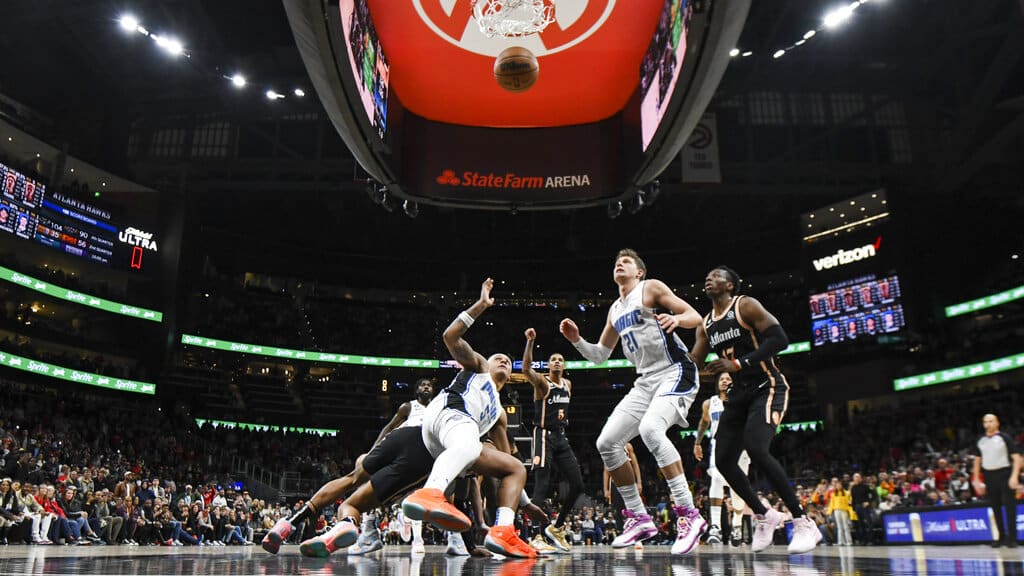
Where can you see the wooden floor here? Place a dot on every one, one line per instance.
(396, 561)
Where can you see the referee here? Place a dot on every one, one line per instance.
(1000, 459)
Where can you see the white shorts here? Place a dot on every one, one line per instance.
(674, 385)
(443, 426)
(718, 482)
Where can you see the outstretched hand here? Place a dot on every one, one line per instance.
(570, 330)
(531, 334)
(485, 292)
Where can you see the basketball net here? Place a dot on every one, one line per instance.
(513, 17)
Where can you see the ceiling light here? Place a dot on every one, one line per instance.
(238, 80)
(174, 47)
(748, 53)
(809, 34)
(734, 52)
(778, 54)
(271, 95)
(836, 17)
(129, 23)
(299, 92)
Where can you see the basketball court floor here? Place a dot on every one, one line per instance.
(583, 561)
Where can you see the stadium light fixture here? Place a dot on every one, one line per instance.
(271, 95)
(170, 45)
(809, 34)
(299, 92)
(128, 23)
(779, 54)
(838, 16)
(734, 52)
(238, 81)
(748, 53)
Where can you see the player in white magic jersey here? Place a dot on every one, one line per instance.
(452, 425)
(665, 387)
(409, 414)
(712, 413)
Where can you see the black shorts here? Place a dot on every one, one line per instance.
(548, 446)
(398, 464)
(755, 402)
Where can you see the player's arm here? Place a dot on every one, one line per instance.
(540, 386)
(702, 427)
(606, 482)
(1016, 461)
(683, 315)
(460, 350)
(499, 433)
(397, 420)
(596, 353)
(976, 483)
(773, 338)
(701, 347)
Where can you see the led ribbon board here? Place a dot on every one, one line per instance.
(986, 302)
(78, 297)
(313, 356)
(306, 355)
(960, 373)
(266, 427)
(76, 376)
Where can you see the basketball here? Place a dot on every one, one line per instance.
(516, 69)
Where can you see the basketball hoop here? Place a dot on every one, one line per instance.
(512, 18)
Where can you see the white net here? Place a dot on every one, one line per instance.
(513, 17)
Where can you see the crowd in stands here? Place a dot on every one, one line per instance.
(104, 468)
(78, 359)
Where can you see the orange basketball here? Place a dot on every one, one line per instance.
(516, 69)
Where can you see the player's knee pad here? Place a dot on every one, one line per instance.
(612, 447)
(652, 430)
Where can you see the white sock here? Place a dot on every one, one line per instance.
(524, 498)
(716, 516)
(631, 498)
(680, 491)
(369, 522)
(737, 519)
(417, 531)
(505, 517)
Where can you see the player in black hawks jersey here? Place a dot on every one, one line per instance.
(551, 450)
(746, 338)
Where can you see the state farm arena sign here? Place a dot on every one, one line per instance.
(571, 163)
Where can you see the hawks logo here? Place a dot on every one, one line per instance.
(575, 21)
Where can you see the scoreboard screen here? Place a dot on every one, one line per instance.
(857, 309)
(71, 226)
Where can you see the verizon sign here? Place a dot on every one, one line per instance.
(843, 257)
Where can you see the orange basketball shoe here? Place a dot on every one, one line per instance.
(430, 504)
(504, 540)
